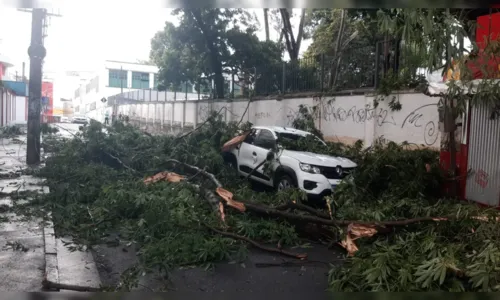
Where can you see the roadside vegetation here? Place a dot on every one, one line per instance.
(397, 232)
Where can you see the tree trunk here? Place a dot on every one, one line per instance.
(266, 23)
(336, 61)
(219, 82)
(452, 147)
(291, 44)
(215, 62)
(300, 33)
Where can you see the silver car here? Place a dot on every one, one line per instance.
(80, 120)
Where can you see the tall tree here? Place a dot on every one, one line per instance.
(335, 31)
(439, 33)
(338, 44)
(292, 43)
(266, 22)
(199, 45)
(211, 42)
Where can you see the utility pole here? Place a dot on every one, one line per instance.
(37, 53)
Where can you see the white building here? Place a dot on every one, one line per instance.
(124, 77)
(112, 79)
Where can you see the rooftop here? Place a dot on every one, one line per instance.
(6, 61)
(283, 129)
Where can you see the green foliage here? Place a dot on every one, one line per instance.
(45, 128)
(209, 43)
(305, 121)
(393, 182)
(10, 131)
(97, 192)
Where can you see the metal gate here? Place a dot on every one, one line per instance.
(483, 185)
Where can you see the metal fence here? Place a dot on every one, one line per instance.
(355, 68)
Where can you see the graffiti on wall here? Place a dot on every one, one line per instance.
(262, 115)
(331, 112)
(416, 118)
(481, 178)
(421, 120)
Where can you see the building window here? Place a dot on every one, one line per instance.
(117, 78)
(140, 80)
(155, 83)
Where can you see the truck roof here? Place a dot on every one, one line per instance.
(282, 129)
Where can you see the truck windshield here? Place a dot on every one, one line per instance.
(298, 142)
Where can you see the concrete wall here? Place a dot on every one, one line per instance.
(349, 118)
(342, 118)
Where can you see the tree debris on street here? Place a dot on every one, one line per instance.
(182, 206)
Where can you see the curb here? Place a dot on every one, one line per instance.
(50, 247)
(55, 279)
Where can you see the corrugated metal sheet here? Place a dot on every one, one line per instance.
(483, 185)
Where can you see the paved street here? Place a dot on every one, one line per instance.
(22, 257)
(28, 249)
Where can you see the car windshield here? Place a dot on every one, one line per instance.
(298, 142)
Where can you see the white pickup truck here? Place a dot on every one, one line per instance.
(316, 174)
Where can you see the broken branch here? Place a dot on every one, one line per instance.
(298, 206)
(257, 245)
(198, 170)
(118, 160)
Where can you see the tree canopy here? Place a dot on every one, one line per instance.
(209, 47)
(213, 43)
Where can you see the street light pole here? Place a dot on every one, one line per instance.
(37, 53)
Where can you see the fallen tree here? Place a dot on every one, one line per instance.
(153, 190)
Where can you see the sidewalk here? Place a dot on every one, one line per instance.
(29, 251)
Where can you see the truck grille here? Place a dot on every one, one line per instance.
(331, 173)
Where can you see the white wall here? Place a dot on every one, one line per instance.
(21, 110)
(12, 108)
(343, 118)
(349, 118)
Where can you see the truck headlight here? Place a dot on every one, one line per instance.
(309, 168)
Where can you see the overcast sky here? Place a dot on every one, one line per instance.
(89, 33)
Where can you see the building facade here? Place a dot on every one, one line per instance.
(13, 96)
(115, 77)
(5, 63)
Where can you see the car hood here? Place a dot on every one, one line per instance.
(320, 159)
